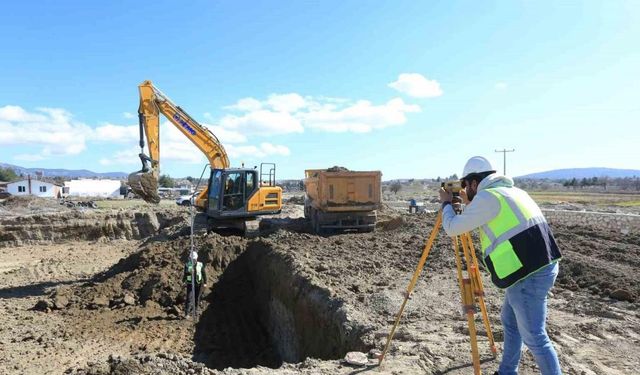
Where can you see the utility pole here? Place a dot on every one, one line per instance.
(504, 159)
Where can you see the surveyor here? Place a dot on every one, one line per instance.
(199, 282)
(519, 251)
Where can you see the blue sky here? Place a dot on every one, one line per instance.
(411, 88)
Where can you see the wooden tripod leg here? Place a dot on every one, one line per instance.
(412, 284)
(456, 250)
(479, 292)
(468, 301)
(470, 310)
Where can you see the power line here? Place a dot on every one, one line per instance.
(504, 159)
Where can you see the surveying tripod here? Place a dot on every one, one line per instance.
(471, 290)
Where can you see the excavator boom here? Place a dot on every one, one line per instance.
(152, 103)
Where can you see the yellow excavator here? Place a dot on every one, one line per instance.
(232, 195)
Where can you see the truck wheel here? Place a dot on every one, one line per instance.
(315, 222)
(186, 203)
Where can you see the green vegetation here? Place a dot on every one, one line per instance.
(166, 181)
(395, 187)
(7, 174)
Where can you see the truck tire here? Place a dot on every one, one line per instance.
(185, 203)
(315, 221)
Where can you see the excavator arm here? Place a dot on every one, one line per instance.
(152, 103)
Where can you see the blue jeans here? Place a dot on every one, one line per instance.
(523, 318)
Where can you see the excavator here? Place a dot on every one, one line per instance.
(231, 197)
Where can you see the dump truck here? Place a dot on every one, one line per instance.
(340, 199)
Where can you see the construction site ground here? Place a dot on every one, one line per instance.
(99, 291)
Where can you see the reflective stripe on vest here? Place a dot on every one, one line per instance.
(518, 212)
(198, 272)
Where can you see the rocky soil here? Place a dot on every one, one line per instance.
(289, 300)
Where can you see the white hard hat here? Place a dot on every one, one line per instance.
(194, 255)
(477, 164)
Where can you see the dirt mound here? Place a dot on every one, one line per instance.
(336, 168)
(154, 273)
(602, 262)
(29, 204)
(88, 225)
(390, 223)
(296, 199)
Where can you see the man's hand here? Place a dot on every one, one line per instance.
(445, 196)
(463, 195)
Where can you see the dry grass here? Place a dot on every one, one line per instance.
(600, 199)
(132, 203)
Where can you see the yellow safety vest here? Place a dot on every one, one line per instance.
(518, 241)
(189, 270)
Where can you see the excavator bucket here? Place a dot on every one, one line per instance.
(145, 184)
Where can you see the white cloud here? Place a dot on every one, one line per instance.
(116, 133)
(291, 113)
(128, 115)
(286, 102)
(263, 122)
(57, 134)
(361, 117)
(126, 157)
(14, 113)
(175, 145)
(227, 135)
(501, 86)
(416, 85)
(245, 105)
(271, 149)
(53, 129)
(264, 149)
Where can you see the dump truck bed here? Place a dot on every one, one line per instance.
(343, 191)
(342, 199)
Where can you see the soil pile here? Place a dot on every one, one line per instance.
(603, 262)
(154, 273)
(91, 225)
(337, 169)
(296, 199)
(29, 204)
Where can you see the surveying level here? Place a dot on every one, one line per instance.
(471, 289)
(453, 186)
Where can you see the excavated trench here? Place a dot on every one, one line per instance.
(261, 312)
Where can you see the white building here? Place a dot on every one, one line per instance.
(34, 187)
(94, 188)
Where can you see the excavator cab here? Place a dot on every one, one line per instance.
(241, 193)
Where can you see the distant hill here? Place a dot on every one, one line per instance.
(579, 173)
(67, 173)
